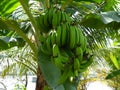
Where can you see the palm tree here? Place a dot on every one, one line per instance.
(22, 26)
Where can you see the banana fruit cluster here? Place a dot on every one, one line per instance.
(64, 42)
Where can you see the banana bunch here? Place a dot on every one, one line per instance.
(64, 42)
(51, 19)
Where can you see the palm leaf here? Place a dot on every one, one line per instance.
(113, 74)
(7, 7)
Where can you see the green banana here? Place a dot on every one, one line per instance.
(53, 37)
(44, 50)
(68, 34)
(63, 19)
(59, 15)
(55, 20)
(46, 24)
(81, 37)
(50, 15)
(42, 26)
(84, 45)
(55, 50)
(77, 36)
(64, 59)
(72, 37)
(79, 53)
(63, 35)
(57, 61)
(65, 75)
(76, 73)
(67, 18)
(48, 44)
(82, 69)
(76, 64)
(86, 63)
(58, 37)
(83, 41)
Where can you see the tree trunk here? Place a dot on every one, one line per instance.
(40, 83)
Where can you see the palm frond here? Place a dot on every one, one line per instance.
(7, 7)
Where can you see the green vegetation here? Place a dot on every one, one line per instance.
(61, 41)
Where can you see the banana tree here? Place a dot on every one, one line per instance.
(54, 33)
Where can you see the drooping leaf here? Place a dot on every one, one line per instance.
(102, 20)
(50, 72)
(113, 74)
(91, 20)
(111, 16)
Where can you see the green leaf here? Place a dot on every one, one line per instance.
(111, 16)
(70, 86)
(110, 5)
(50, 72)
(113, 74)
(8, 6)
(59, 87)
(3, 26)
(106, 19)
(91, 20)
(3, 44)
(114, 60)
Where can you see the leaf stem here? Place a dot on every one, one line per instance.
(14, 26)
(25, 5)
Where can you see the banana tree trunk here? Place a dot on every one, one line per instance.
(40, 83)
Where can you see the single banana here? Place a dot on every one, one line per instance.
(55, 20)
(84, 45)
(48, 44)
(86, 63)
(77, 36)
(55, 50)
(50, 15)
(76, 73)
(64, 34)
(76, 64)
(83, 41)
(79, 53)
(68, 34)
(81, 37)
(46, 24)
(58, 37)
(59, 15)
(63, 19)
(72, 37)
(53, 37)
